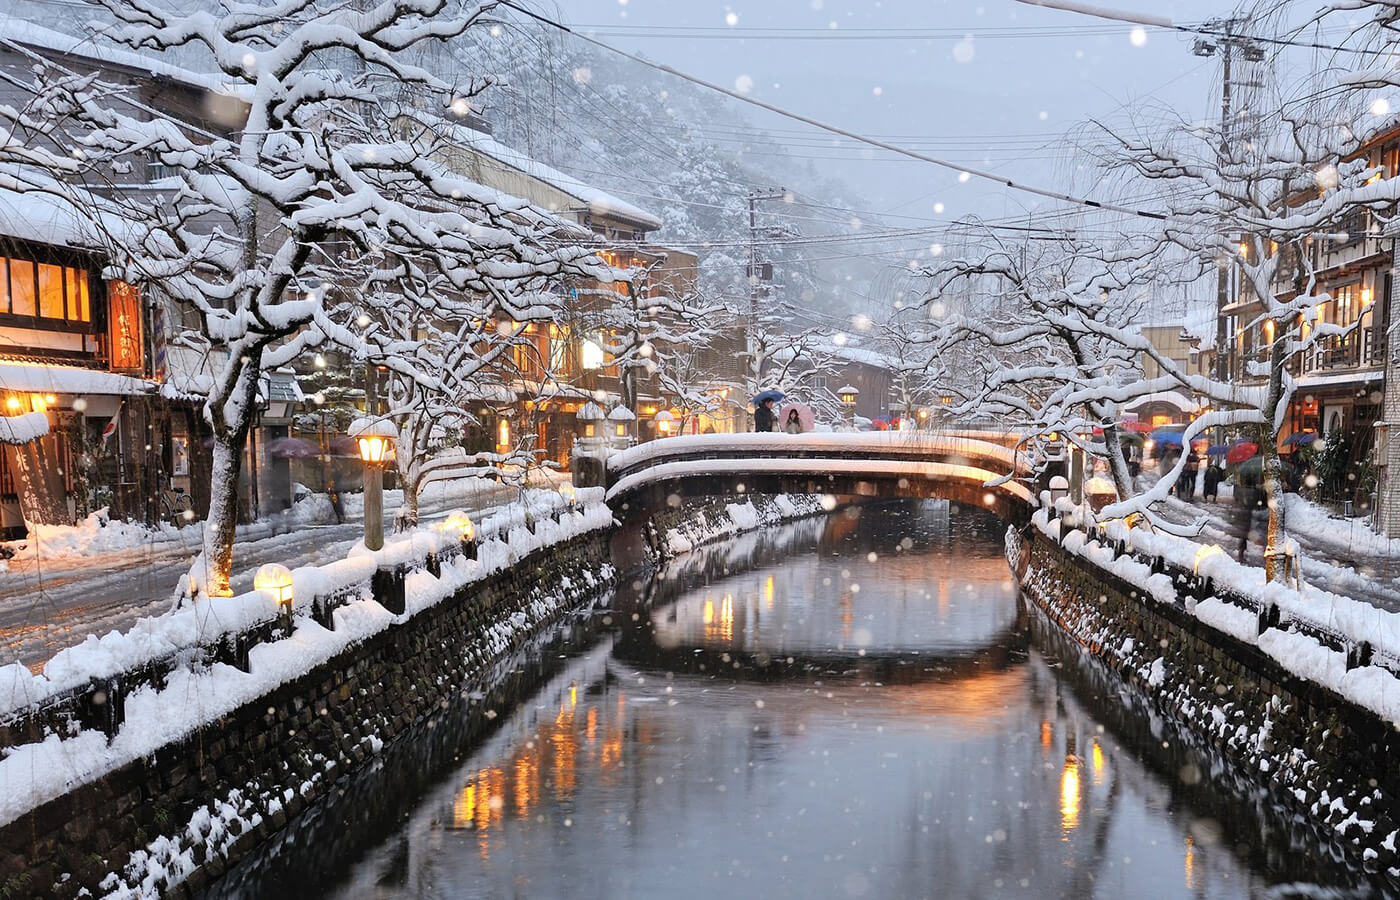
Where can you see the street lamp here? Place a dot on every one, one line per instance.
(376, 440)
(664, 422)
(847, 395)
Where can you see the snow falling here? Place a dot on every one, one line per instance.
(940, 378)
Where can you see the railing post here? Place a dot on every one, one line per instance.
(387, 586)
(1268, 617)
(323, 612)
(1358, 654)
(103, 706)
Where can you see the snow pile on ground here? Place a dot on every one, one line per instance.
(95, 534)
(34, 773)
(1336, 535)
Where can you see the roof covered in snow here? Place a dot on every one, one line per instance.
(1171, 398)
(39, 37)
(44, 378)
(595, 200)
(35, 207)
(23, 429)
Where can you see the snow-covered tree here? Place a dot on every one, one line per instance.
(268, 228)
(1050, 353)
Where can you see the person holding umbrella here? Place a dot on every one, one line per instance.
(763, 416)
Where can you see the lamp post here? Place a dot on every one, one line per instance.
(847, 395)
(376, 440)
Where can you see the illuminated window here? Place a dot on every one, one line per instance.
(591, 355)
(43, 290)
(22, 287)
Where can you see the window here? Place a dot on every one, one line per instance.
(44, 290)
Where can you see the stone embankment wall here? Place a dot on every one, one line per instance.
(169, 824)
(1324, 759)
(693, 523)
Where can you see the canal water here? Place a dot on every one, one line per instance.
(855, 706)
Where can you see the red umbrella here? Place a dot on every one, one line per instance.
(1139, 427)
(1241, 452)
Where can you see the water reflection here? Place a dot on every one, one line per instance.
(740, 737)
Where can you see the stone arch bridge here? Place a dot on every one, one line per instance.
(963, 466)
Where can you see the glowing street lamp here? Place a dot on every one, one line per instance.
(376, 440)
(847, 395)
(664, 422)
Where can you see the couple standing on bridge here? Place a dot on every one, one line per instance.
(765, 417)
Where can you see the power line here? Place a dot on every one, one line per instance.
(893, 148)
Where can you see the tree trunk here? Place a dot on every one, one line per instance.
(220, 527)
(1272, 466)
(230, 439)
(410, 481)
(1117, 465)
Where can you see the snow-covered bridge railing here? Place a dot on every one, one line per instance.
(86, 688)
(1347, 646)
(909, 464)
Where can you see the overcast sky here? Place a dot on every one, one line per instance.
(995, 86)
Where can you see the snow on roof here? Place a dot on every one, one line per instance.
(38, 36)
(23, 429)
(597, 201)
(622, 414)
(54, 213)
(283, 387)
(1171, 398)
(1200, 324)
(1316, 381)
(44, 378)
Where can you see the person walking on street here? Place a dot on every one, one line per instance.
(1186, 481)
(1211, 482)
(763, 416)
(1250, 499)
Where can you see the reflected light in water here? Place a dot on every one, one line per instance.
(707, 617)
(1069, 796)
(1047, 732)
(1096, 758)
(768, 592)
(1190, 863)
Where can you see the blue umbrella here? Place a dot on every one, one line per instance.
(1217, 449)
(1299, 438)
(771, 394)
(1170, 438)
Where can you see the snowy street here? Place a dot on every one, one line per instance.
(1340, 555)
(46, 605)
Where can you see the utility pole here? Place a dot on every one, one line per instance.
(759, 272)
(1227, 43)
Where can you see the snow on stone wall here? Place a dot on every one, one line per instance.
(1269, 703)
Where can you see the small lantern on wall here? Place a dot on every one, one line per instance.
(274, 581)
(848, 395)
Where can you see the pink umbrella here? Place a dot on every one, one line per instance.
(805, 417)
